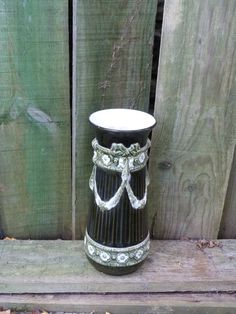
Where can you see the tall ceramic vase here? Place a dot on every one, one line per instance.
(117, 237)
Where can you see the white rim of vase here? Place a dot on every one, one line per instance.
(120, 119)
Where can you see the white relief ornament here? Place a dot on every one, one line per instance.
(95, 155)
(106, 160)
(131, 162)
(104, 256)
(139, 254)
(121, 164)
(116, 161)
(112, 256)
(126, 161)
(91, 249)
(122, 258)
(141, 158)
(119, 155)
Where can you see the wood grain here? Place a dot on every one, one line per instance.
(158, 303)
(35, 156)
(61, 267)
(192, 147)
(114, 58)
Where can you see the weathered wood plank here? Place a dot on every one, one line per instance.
(114, 57)
(192, 147)
(35, 200)
(210, 303)
(62, 267)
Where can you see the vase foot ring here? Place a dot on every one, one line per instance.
(114, 271)
(107, 258)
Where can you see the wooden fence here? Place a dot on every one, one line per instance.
(61, 60)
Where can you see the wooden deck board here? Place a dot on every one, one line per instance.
(146, 303)
(61, 267)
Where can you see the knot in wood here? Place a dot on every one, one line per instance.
(165, 164)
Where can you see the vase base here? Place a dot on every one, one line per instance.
(114, 271)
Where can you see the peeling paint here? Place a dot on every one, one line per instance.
(41, 118)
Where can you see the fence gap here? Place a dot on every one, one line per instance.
(74, 110)
(155, 57)
(228, 221)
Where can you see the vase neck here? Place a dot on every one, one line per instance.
(107, 138)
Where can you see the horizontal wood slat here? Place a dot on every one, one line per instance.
(210, 303)
(61, 267)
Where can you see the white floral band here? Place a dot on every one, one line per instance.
(122, 159)
(116, 257)
(118, 156)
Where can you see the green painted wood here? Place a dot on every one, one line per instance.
(158, 303)
(35, 199)
(113, 69)
(192, 147)
(62, 267)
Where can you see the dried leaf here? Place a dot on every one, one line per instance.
(211, 244)
(202, 244)
(35, 311)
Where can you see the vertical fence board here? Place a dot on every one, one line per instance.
(114, 58)
(35, 156)
(195, 108)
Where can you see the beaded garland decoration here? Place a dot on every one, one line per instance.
(124, 160)
(116, 257)
(121, 159)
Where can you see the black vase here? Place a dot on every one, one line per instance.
(117, 237)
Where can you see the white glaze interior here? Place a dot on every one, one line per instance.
(122, 119)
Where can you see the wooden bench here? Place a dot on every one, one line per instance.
(177, 277)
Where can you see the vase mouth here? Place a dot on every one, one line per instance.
(122, 120)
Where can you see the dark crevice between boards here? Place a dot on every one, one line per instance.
(155, 57)
(2, 235)
(70, 35)
(209, 293)
(70, 39)
(156, 52)
(70, 43)
(155, 63)
(227, 219)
